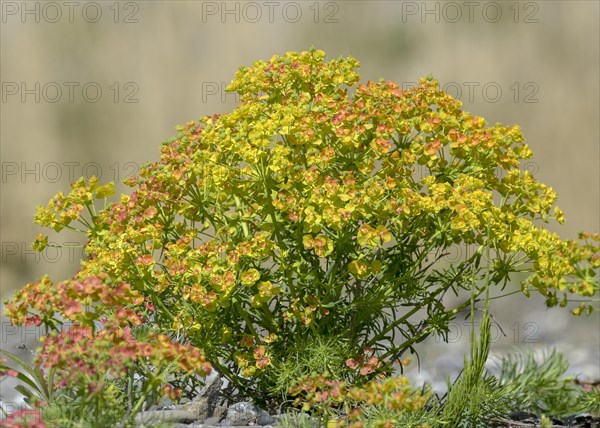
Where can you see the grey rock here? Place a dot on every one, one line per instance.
(220, 412)
(204, 404)
(195, 425)
(264, 418)
(213, 420)
(165, 416)
(242, 413)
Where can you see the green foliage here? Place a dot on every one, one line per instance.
(295, 224)
(35, 385)
(590, 401)
(523, 384)
(313, 355)
(56, 404)
(541, 387)
(467, 403)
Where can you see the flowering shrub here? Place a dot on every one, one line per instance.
(300, 216)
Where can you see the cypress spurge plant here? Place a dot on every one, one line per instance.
(298, 218)
(542, 387)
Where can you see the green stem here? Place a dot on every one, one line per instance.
(130, 391)
(393, 326)
(246, 319)
(225, 371)
(160, 303)
(426, 332)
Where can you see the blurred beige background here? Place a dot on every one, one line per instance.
(95, 87)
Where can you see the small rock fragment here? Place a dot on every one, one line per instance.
(264, 418)
(220, 412)
(213, 420)
(242, 413)
(204, 404)
(165, 416)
